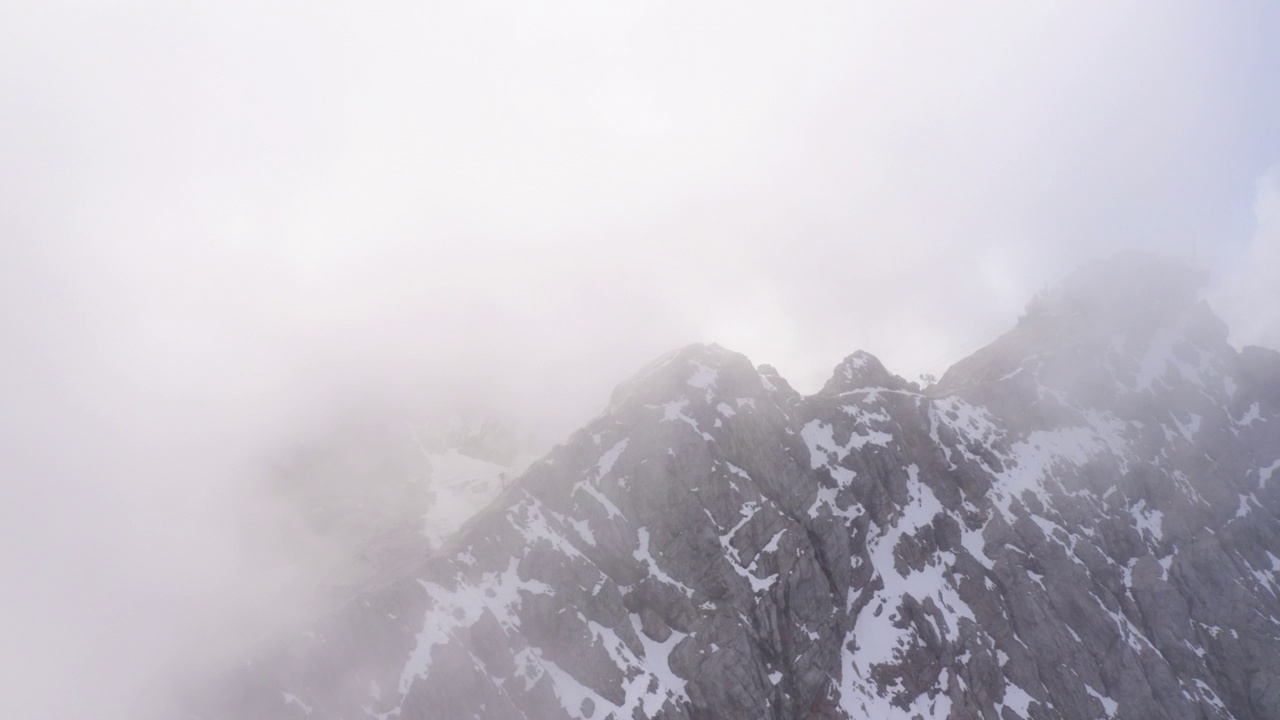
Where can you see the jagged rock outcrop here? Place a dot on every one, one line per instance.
(1079, 521)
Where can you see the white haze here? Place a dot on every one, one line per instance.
(225, 225)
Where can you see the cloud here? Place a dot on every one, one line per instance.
(226, 224)
(1246, 293)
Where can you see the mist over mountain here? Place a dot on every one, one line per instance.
(266, 266)
(361, 501)
(1077, 521)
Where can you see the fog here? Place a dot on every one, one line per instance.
(227, 226)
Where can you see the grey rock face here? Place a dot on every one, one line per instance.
(1079, 521)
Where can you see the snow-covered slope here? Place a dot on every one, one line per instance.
(1079, 521)
(460, 486)
(372, 499)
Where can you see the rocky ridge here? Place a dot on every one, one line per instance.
(1078, 521)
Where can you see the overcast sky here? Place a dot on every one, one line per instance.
(222, 223)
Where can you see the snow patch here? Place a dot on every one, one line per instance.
(674, 411)
(609, 458)
(291, 699)
(645, 556)
(1252, 415)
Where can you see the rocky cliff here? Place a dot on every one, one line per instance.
(1079, 521)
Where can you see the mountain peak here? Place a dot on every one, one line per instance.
(861, 370)
(1124, 324)
(1130, 288)
(700, 369)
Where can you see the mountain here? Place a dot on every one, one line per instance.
(1078, 521)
